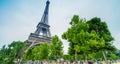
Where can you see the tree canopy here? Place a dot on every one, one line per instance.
(87, 37)
(39, 52)
(45, 51)
(9, 54)
(56, 48)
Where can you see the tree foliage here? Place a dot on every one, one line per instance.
(56, 48)
(9, 54)
(39, 52)
(45, 51)
(102, 30)
(88, 37)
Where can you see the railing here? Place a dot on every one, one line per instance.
(69, 62)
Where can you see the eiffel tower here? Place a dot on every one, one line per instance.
(42, 33)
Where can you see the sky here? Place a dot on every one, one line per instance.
(19, 18)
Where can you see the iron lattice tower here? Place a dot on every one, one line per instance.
(42, 33)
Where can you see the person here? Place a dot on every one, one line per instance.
(90, 62)
(71, 62)
(98, 61)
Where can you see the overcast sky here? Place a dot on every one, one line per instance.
(18, 18)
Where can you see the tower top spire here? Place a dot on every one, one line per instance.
(48, 2)
(44, 18)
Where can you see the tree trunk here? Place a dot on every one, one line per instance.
(104, 57)
(85, 57)
(75, 55)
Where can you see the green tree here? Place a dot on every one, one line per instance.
(85, 38)
(78, 37)
(39, 52)
(118, 53)
(9, 54)
(102, 30)
(66, 57)
(113, 55)
(56, 48)
(45, 51)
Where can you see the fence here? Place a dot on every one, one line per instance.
(70, 62)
